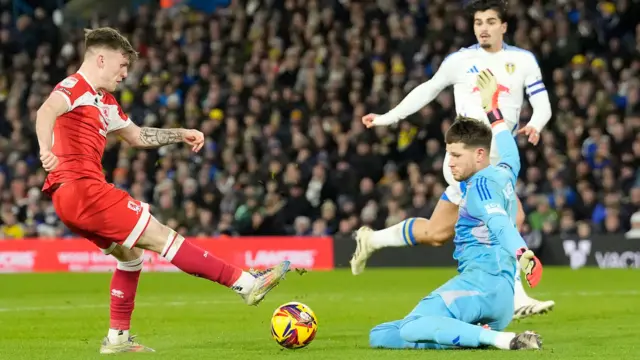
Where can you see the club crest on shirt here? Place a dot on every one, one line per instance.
(510, 67)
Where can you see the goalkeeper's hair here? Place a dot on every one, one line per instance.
(499, 6)
(470, 132)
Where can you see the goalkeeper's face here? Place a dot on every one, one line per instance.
(465, 160)
(489, 29)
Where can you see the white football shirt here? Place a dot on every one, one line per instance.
(516, 70)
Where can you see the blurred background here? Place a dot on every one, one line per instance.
(278, 87)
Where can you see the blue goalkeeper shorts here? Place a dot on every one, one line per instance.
(475, 297)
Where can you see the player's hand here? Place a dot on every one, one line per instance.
(194, 138)
(371, 120)
(48, 159)
(532, 134)
(488, 86)
(368, 119)
(530, 265)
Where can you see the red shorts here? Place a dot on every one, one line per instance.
(101, 213)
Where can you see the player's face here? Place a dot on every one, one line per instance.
(489, 29)
(114, 69)
(463, 160)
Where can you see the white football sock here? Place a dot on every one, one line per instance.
(503, 340)
(499, 339)
(244, 284)
(393, 236)
(118, 336)
(520, 297)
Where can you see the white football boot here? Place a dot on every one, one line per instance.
(128, 345)
(525, 307)
(527, 340)
(363, 250)
(266, 280)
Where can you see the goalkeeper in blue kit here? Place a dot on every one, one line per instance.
(487, 247)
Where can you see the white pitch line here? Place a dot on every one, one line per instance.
(589, 293)
(334, 298)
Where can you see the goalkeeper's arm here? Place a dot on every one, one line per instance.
(485, 202)
(507, 147)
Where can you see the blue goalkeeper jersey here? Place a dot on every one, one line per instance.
(486, 235)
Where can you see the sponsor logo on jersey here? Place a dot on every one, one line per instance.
(135, 207)
(64, 91)
(501, 88)
(508, 191)
(69, 82)
(494, 208)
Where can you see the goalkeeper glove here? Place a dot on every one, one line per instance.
(488, 86)
(530, 265)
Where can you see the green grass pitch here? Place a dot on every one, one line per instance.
(65, 316)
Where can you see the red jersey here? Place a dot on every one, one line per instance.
(80, 134)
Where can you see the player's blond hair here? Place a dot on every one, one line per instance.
(470, 132)
(109, 38)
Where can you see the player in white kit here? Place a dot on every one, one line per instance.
(518, 73)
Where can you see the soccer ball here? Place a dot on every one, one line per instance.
(294, 325)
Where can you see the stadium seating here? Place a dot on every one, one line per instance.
(279, 87)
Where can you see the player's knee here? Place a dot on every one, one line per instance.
(407, 331)
(383, 335)
(414, 329)
(129, 259)
(157, 237)
(122, 253)
(131, 265)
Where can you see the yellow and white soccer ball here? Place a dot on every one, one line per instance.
(294, 325)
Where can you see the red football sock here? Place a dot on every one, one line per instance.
(124, 285)
(196, 261)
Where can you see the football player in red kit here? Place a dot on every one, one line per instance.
(72, 126)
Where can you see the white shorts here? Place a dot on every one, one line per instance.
(453, 192)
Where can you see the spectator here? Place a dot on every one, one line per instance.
(278, 89)
(634, 233)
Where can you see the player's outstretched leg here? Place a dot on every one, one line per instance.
(524, 305)
(196, 261)
(435, 231)
(124, 285)
(387, 336)
(452, 332)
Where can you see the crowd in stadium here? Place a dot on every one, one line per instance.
(279, 89)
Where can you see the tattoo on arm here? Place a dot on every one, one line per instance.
(151, 137)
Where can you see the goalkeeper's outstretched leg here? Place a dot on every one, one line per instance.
(447, 319)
